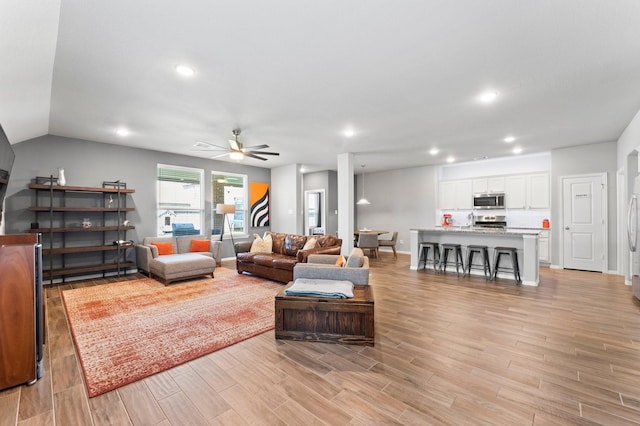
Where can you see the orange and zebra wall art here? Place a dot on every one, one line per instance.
(259, 199)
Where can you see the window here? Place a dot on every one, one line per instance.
(229, 188)
(180, 210)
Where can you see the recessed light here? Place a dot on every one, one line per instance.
(509, 139)
(185, 70)
(517, 150)
(450, 159)
(349, 133)
(434, 151)
(122, 132)
(488, 97)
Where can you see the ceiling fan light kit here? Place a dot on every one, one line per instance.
(236, 150)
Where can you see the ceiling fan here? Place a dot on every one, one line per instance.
(236, 150)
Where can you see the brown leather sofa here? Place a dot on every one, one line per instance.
(285, 253)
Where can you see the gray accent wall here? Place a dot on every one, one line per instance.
(89, 163)
(400, 200)
(585, 159)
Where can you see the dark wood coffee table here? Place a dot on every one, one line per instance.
(317, 319)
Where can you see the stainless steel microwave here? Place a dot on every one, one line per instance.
(493, 200)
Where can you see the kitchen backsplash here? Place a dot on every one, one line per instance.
(515, 218)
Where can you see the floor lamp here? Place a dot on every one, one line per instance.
(227, 209)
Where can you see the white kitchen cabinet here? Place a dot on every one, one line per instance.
(515, 192)
(455, 195)
(538, 191)
(544, 246)
(495, 184)
(527, 191)
(480, 185)
(447, 191)
(488, 184)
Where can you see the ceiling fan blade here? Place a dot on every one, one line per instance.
(257, 157)
(220, 155)
(214, 150)
(263, 153)
(235, 145)
(206, 145)
(254, 148)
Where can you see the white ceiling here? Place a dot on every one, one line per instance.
(294, 74)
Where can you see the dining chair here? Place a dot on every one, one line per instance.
(369, 242)
(383, 242)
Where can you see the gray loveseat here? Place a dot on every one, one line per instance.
(182, 263)
(323, 266)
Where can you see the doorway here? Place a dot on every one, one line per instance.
(314, 212)
(583, 236)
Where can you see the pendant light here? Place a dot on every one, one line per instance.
(363, 201)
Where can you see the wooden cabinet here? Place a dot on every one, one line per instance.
(456, 194)
(21, 318)
(84, 228)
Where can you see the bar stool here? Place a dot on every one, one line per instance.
(483, 251)
(456, 249)
(424, 255)
(513, 255)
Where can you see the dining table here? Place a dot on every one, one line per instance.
(357, 233)
(369, 231)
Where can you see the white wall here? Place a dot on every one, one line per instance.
(629, 140)
(517, 164)
(286, 200)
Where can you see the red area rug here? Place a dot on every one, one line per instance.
(130, 330)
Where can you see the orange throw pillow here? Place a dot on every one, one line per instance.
(340, 261)
(163, 248)
(200, 245)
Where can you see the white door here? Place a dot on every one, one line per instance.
(584, 228)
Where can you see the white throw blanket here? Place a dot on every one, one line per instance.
(321, 288)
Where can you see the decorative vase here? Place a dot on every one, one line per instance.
(61, 179)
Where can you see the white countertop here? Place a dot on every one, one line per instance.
(479, 230)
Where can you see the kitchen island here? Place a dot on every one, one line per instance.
(525, 241)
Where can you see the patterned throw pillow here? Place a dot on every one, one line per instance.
(163, 248)
(261, 245)
(200, 245)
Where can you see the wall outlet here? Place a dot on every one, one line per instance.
(401, 241)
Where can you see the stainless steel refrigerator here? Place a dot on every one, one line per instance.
(633, 226)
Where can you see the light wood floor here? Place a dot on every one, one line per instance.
(448, 351)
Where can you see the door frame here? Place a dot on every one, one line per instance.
(621, 230)
(605, 219)
(323, 208)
